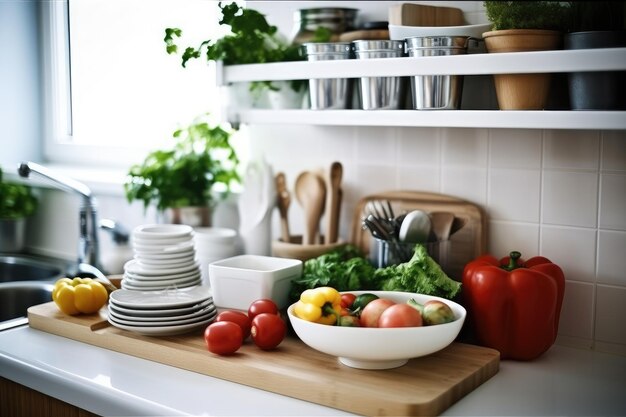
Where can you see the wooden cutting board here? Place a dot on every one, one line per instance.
(469, 238)
(424, 386)
(409, 14)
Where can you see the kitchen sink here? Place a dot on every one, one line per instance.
(16, 297)
(26, 280)
(30, 268)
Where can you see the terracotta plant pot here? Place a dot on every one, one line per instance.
(522, 91)
(191, 216)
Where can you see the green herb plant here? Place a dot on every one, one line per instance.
(252, 40)
(201, 161)
(505, 15)
(16, 200)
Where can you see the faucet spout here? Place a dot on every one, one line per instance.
(88, 247)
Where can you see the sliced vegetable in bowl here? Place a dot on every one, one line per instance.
(380, 348)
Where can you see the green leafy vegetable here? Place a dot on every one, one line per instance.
(421, 274)
(346, 269)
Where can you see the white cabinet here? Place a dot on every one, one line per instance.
(609, 59)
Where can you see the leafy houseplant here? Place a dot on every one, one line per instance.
(523, 26)
(201, 161)
(596, 24)
(17, 202)
(252, 40)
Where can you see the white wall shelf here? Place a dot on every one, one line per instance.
(608, 59)
(582, 120)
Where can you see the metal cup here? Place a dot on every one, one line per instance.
(329, 93)
(380, 92)
(437, 92)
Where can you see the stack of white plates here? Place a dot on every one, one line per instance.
(165, 257)
(162, 313)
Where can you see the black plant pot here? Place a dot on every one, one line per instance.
(596, 90)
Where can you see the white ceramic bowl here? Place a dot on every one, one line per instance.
(214, 236)
(397, 32)
(380, 348)
(160, 231)
(239, 280)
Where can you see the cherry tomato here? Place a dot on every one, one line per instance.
(237, 317)
(372, 311)
(347, 299)
(223, 337)
(263, 305)
(268, 330)
(400, 315)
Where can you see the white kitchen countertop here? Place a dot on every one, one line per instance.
(564, 381)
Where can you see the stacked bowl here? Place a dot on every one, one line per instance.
(213, 244)
(165, 258)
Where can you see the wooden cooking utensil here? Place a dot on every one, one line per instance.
(333, 201)
(442, 225)
(311, 194)
(283, 202)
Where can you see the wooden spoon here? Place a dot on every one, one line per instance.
(333, 203)
(311, 194)
(283, 202)
(441, 225)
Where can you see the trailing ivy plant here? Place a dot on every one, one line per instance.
(201, 161)
(252, 40)
(16, 200)
(526, 14)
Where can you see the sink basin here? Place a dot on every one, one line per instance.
(16, 297)
(27, 268)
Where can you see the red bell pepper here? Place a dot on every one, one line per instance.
(514, 305)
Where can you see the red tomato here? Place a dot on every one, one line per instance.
(239, 318)
(373, 310)
(263, 305)
(400, 315)
(347, 299)
(268, 330)
(223, 338)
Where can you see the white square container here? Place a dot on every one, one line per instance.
(238, 281)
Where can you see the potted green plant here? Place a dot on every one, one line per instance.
(523, 26)
(252, 40)
(17, 203)
(185, 179)
(596, 24)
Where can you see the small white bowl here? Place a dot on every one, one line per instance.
(214, 235)
(397, 32)
(238, 281)
(160, 231)
(380, 348)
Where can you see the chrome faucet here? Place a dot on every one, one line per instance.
(88, 248)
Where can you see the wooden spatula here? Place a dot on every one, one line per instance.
(283, 202)
(333, 202)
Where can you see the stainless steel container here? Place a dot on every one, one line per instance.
(336, 19)
(385, 253)
(329, 93)
(380, 92)
(437, 92)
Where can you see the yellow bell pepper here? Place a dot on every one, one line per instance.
(79, 295)
(319, 305)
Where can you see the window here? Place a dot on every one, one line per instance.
(112, 91)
